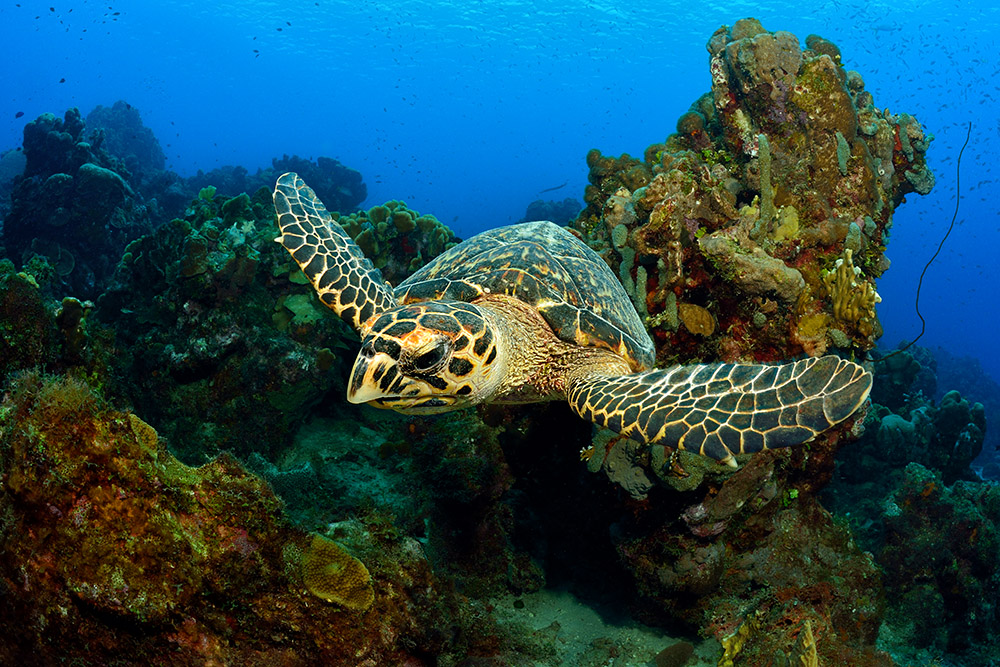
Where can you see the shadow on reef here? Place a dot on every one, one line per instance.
(754, 233)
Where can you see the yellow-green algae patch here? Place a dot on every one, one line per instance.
(332, 574)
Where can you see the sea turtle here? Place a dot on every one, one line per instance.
(529, 313)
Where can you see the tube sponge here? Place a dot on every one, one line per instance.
(852, 297)
(332, 574)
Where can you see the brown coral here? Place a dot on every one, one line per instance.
(332, 574)
(696, 319)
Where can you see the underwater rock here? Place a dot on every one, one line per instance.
(754, 560)
(114, 548)
(341, 187)
(782, 170)
(939, 559)
(74, 205)
(560, 212)
(124, 136)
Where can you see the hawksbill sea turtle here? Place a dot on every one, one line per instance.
(529, 313)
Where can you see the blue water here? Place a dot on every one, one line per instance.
(467, 110)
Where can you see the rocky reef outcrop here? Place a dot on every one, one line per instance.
(911, 496)
(113, 550)
(73, 204)
(756, 231)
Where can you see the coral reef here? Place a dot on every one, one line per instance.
(945, 436)
(756, 231)
(215, 346)
(941, 571)
(339, 186)
(122, 133)
(560, 212)
(776, 185)
(397, 239)
(751, 557)
(218, 344)
(115, 549)
(81, 191)
(27, 329)
(11, 166)
(73, 204)
(908, 490)
(967, 375)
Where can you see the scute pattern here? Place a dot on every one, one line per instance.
(718, 410)
(545, 266)
(345, 280)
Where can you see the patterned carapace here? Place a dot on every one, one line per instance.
(530, 311)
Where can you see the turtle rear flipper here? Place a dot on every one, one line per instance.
(345, 280)
(719, 410)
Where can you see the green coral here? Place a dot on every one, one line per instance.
(843, 153)
(397, 239)
(237, 209)
(788, 223)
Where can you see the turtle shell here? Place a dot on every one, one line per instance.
(547, 267)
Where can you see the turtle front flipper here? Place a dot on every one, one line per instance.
(719, 410)
(344, 278)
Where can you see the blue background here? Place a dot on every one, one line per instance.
(467, 110)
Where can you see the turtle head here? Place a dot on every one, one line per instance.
(426, 358)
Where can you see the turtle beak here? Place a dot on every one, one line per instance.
(372, 377)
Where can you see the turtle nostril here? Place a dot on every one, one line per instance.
(367, 352)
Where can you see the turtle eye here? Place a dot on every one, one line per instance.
(430, 359)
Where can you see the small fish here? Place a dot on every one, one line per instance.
(557, 187)
(18, 114)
